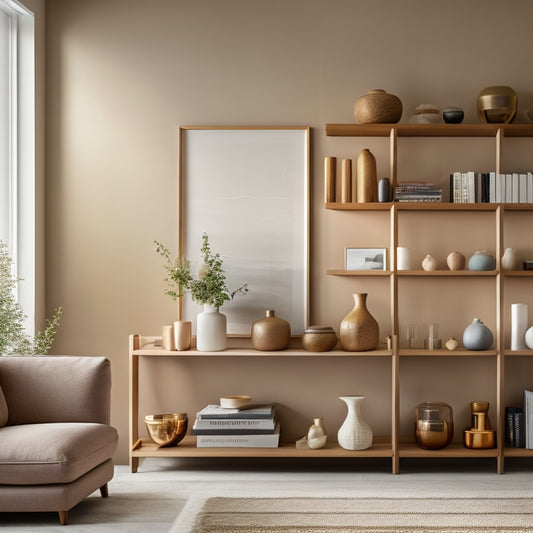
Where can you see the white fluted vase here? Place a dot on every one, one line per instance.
(210, 330)
(355, 433)
(519, 321)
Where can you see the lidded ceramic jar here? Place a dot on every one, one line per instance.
(271, 333)
(433, 425)
(378, 107)
(319, 339)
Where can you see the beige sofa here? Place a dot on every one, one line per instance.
(56, 443)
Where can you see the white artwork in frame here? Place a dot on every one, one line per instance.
(248, 189)
(365, 258)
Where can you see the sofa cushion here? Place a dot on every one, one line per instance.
(3, 409)
(32, 454)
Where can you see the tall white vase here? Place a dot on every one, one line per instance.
(519, 320)
(355, 433)
(210, 330)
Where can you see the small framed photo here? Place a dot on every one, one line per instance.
(365, 258)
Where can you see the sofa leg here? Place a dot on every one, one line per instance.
(104, 491)
(63, 518)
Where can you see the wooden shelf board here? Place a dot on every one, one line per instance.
(358, 272)
(518, 273)
(461, 352)
(428, 130)
(517, 452)
(187, 448)
(437, 273)
(453, 450)
(249, 352)
(521, 353)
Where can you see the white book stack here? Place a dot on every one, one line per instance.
(491, 187)
(249, 427)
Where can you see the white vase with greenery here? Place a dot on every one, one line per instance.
(209, 290)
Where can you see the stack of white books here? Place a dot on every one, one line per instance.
(253, 426)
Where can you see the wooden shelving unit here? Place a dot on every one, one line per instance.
(392, 446)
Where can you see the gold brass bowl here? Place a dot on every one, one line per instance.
(167, 429)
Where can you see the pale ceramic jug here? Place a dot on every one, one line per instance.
(210, 330)
(355, 433)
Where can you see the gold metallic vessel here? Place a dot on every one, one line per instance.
(497, 104)
(480, 436)
(167, 429)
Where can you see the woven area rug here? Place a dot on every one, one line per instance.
(361, 515)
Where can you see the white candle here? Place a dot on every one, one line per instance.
(519, 318)
(403, 258)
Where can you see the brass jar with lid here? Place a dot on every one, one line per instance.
(271, 333)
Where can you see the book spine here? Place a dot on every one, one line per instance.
(509, 426)
(518, 429)
(234, 424)
(237, 441)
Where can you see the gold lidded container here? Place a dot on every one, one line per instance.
(433, 425)
(271, 333)
(497, 104)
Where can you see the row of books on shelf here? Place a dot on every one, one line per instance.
(519, 424)
(253, 426)
(491, 187)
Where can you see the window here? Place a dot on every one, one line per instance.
(17, 147)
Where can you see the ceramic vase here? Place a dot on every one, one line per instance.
(477, 336)
(403, 258)
(378, 107)
(481, 260)
(355, 433)
(510, 260)
(429, 263)
(210, 330)
(182, 334)
(367, 185)
(359, 330)
(529, 338)
(456, 261)
(316, 435)
(519, 319)
(271, 333)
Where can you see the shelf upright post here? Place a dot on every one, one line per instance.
(499, 150)
(500, 342)
(393, 157)
(134, 400)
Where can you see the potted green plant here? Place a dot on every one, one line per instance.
(208, 289)
(13, 337)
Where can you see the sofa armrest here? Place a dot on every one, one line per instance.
(56, 389)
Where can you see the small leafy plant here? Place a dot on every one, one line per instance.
(13, 338)
(209, 288)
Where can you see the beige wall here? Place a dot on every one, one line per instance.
(122, 75)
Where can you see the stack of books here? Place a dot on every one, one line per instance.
(417, 191)
(514, 427)
(252, 426)
(490, 187)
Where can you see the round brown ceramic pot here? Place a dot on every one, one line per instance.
(271, 333)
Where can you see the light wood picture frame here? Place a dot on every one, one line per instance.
(365, 258)
(248, 189)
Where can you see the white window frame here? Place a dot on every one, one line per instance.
(20, 214)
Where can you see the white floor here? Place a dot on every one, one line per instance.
(165, 494)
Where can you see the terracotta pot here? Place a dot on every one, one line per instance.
(271, 333)
(377, 107)
(367, 183)
(359, 330)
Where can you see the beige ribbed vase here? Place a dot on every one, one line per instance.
(367, 183)
(359, 330)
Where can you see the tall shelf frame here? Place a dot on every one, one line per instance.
(393, 131)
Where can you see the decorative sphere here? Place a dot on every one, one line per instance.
(477, 336)
(529, 338)
(378, 107)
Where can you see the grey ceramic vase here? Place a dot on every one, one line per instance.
(477, 336)
(482, 260)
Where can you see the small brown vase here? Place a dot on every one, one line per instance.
(271, 333)
(377, 107)
(456, 261)
(359, 330)
(367, 183)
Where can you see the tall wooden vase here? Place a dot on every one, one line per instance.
(359, 330)
(367, 183)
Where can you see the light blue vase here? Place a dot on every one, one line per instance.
(482, 260)
(477, 336)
